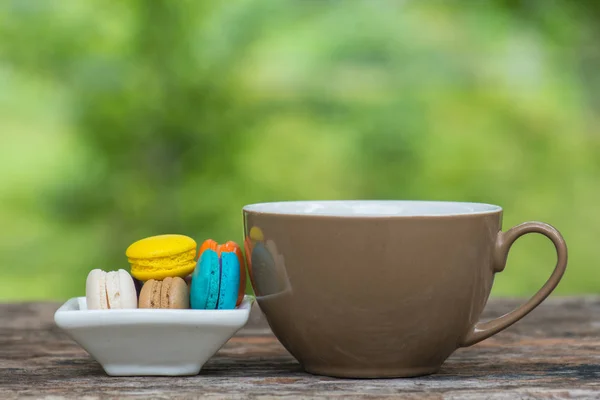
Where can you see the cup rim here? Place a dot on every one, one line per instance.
(371, 209)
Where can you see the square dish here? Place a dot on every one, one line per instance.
(150, 341)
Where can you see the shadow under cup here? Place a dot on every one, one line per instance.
(369, 289)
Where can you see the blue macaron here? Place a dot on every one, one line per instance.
(215, 281)
(230, 281)
(203, 281)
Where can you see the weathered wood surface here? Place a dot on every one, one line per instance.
(552, 353)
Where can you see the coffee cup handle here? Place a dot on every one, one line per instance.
(483, 330)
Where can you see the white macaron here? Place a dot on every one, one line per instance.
(110, 290)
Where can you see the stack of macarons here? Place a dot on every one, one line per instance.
(172, 276)
(161, 263)
(219, 280)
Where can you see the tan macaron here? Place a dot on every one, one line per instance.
(169, 293)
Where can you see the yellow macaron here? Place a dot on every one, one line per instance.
(159, 257)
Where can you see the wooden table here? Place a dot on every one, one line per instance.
(552, 353)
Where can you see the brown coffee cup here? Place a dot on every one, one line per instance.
(369, 289)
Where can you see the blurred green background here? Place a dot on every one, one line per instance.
(125, 119)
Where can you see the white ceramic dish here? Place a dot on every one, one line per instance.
(150, 342)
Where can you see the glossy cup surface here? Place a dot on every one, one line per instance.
(371, 289)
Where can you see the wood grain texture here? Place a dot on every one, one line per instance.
(553, 353)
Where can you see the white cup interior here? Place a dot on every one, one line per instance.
(372, 208)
